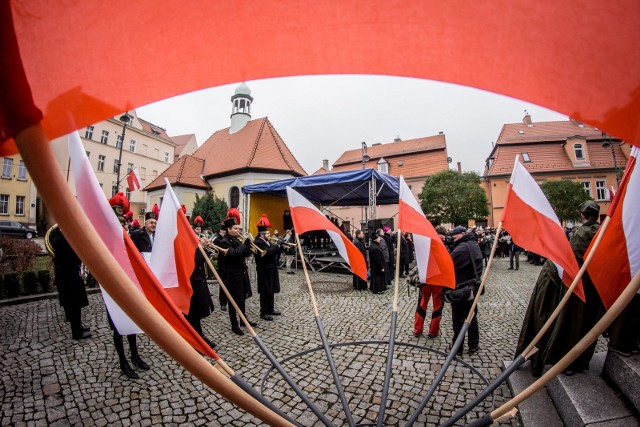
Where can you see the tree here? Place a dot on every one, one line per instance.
(452, 197)
(211, 208)
(565, 196)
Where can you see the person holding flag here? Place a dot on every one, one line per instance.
(577, 318)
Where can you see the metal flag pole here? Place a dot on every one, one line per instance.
(531, 349)
(325, 344)
(263, 347)
(509, 410)
(392, 340)
(459, 340)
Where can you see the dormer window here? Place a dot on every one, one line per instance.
(383, 166)
(525, 157)
(521, 132)
(578, 151)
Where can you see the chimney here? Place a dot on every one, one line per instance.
(325, 165)
(397, 138)
(527, 118)
(459, 167)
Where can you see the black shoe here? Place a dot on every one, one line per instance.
(85, 328)
(236, 330)
(253, 324)
(620, 352)
(126, 369)
(265, 317)
(223, 307)
(415, 334)
(81, 335)
(474, 350)
(569, 372)
(510, 268)
(431, 336)
(137, 360)
(209, 342)
(275, 313)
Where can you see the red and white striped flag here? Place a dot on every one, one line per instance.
(617, 258)
(96, 206)
(173, 253)
(133, 180)
(533, 225)
(435, 265)
(307, 217)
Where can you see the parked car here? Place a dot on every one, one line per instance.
(15, 229)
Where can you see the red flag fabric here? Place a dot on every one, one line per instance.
(173, 253)
(133, 181)
(527, 209)
(435, 265)
(307, 217)
(617, 258)
(156, 210)
(91, 198)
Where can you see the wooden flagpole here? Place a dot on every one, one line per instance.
(36, 152)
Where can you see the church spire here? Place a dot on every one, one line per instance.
(241, 108)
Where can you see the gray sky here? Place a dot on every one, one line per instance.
(320, 117)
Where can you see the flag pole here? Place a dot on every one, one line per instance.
(323, 338)
(531, 349)
(36, 152)
(263, 347)
(392, 339)
(507, 410)
(461, 335)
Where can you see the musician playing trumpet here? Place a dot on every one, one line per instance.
(233, 268)
(267, 269)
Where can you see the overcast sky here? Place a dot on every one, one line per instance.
(320, 117)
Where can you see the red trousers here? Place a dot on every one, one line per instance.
(426, 292)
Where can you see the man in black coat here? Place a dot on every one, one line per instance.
(377, 265)
(201, 305)
(467, 262)
(234, 272)
(222, 297)
(143, 238)
(71, 288)
(267, 272)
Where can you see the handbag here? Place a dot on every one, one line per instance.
(457, 295)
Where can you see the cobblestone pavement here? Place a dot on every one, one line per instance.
(49, 379)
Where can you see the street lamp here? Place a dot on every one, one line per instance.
(365, 156)
(125, 119)
(607, 143)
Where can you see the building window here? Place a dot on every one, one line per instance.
(525, 157)
(383, 166)
(129, 167)
(579, 152)
(127, 193)
(118, 141)
(88, 133)
(143, 173)
(104, 139)
(601, 190)
(132, 145)
(115, 166)
(155, 173)
(22, 171)
(166, 157)
(234, 197)
(4, 204)
(6, 167)
(20, 205)
(114, 190)
(101, 160)
(586, 185)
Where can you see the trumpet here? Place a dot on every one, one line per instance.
(252, 246)
(211, 247)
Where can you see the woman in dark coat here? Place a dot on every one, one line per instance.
(201, 303)
(377, 266)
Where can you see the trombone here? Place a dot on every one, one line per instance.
(210, 247)
(252, 246)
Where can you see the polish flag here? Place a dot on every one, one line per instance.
(435, 265)
(533, 225)
(173, 253)
(108, 227)
(133, 181)
(617, 258)
(307, 217)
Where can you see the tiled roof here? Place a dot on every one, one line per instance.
(181, 141)
(544, 143)
(320, 171)
(418, 157)
(186, 171)
(157, 131)
(257, 146)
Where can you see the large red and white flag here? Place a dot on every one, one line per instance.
(617, 258)
(533, 225)
(133, 180)
(96, 206)
(435, 265)
(173, 253)
(307, 217)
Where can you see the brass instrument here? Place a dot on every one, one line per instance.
(47, 243)
(210, 247)
(252, 246)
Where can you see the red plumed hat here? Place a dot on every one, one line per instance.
(198, 221)
(156, 210)
(234, 213)
(129, 216)
(120, 204)
(135, 223)
(264, 221)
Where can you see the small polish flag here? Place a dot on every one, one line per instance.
(133, 181)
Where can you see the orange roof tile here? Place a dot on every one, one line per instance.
(181, 141)
(515, 133)
(186, 171)
(257, 146)
(157, 131)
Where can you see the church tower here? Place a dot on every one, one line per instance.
(241, 110)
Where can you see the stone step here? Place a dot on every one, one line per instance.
(585, 399)
(624, 374)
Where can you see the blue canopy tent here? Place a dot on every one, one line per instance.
(364, 187)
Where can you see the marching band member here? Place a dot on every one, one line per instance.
(267, 269)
